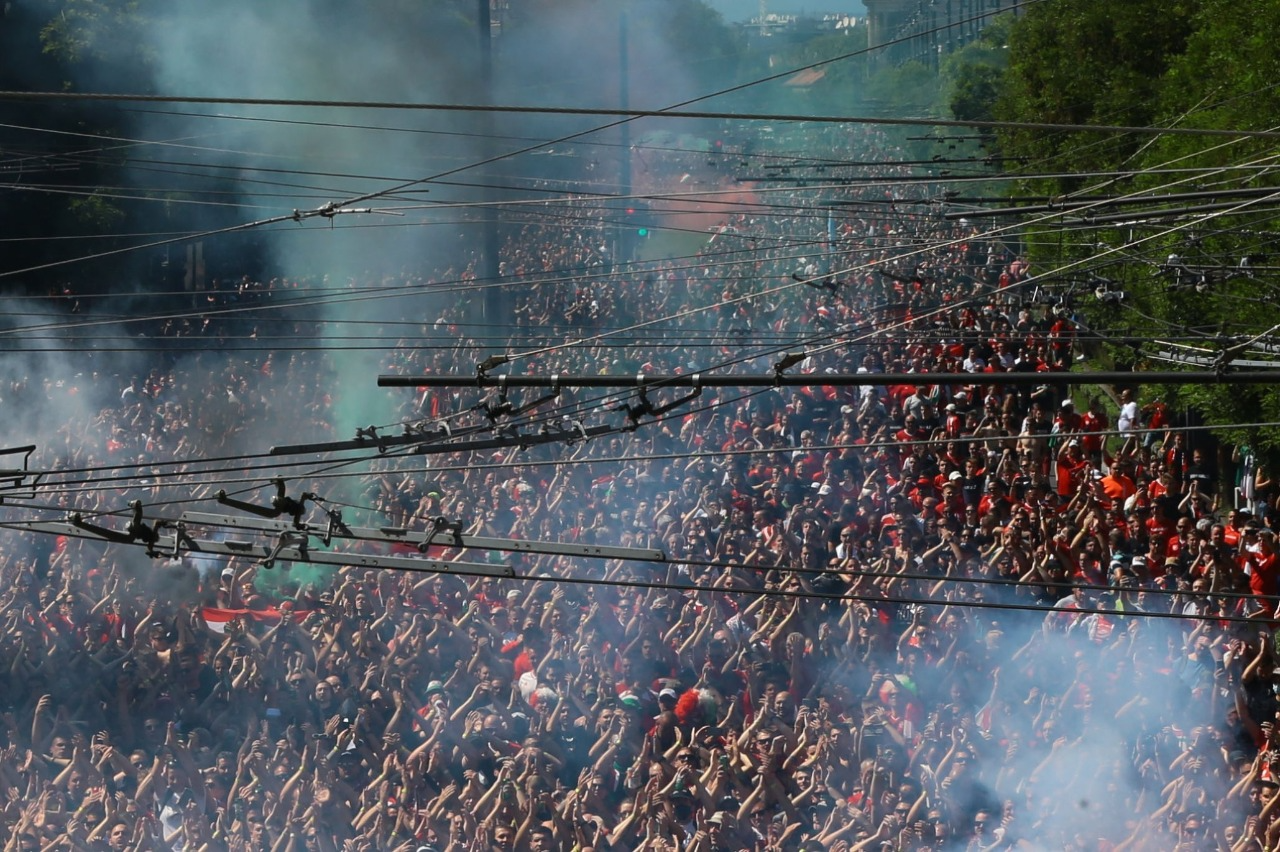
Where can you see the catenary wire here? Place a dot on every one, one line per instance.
(866, 598)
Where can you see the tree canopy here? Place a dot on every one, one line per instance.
(1197, 275)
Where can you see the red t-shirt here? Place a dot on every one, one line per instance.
(1089, 424)
(1069, 475)
(1262, 576)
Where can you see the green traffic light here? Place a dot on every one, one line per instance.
(644, 232)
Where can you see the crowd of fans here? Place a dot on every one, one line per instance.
(907, 617)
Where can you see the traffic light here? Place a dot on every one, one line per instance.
(638, 217)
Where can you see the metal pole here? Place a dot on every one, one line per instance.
(626, 240)
(495, 308)
(695, 380)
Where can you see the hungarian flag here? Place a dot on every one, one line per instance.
(404, 548)
(217, 619)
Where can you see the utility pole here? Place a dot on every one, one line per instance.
(625, 242)
(495, 310)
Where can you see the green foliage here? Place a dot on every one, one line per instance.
(974, 74)
(1194, 63)
(96, 33)
(1087, 62)
(96, 213)
(974, 93)
(1226, 78)
(907, 89)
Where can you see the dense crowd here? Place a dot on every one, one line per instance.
(904, 617)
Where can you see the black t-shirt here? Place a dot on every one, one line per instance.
(575, 747)
(1200, 473)
(973, 487)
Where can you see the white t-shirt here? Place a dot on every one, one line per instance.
(1128, 416)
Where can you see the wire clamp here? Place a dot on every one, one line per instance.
(288, 538)
(136, 530)
(483, 368)
(786, 362)
(370, 433)
(281, 504)
(440, 524)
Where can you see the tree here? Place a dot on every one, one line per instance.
(100, 40)
(975, 74)
(1198, 276)
(1087, 62)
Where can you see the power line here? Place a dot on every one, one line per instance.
(695, 380)
(165, 545)
(441, 532)
(637, 113)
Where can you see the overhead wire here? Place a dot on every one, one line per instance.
(1072, 610)
(241, 463)
(677, 111)
(623, 118)
(1245, 204)
(280, 343)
